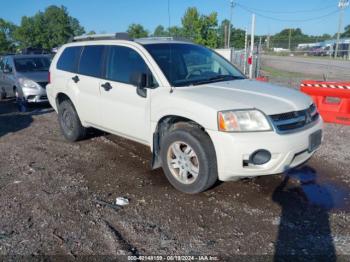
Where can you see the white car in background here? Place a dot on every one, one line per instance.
(200, 116)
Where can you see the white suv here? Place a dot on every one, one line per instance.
(202, 119)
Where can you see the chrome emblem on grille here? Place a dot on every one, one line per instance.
(308, 117)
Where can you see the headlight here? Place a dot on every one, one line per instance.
(27, 83)
(243, 121)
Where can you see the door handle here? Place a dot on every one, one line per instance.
(76, 79)
(106, 86)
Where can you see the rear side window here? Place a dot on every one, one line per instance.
(69, 59)
(122, 63)
(91, 61)
(1, 63)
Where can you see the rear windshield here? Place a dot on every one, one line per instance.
(32, 64)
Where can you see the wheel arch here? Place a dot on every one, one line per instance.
(60, 97)
(164, 124)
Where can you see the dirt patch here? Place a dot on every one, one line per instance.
(48, 187)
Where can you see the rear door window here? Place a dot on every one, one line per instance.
(8, 64)
(91, 61)
(123, 63)
(68, 60)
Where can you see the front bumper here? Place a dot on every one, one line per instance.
(35, 95)
(233, 149)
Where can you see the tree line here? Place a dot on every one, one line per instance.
(46, 30)
(54, 26)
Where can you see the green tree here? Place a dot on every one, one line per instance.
(176, 31)
(48, 29)
(6, 36)
(191, 24)
(76, 27)
(137, 31)
(297, 37)
(281, 39)
(347, 31)
(237, 35)
(202, 29)
(92, 32)
(209, 36)
(160, 31)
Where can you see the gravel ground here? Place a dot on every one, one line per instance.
(53, 200)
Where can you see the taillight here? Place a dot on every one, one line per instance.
(49, 77)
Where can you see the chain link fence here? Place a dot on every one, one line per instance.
(288, 67)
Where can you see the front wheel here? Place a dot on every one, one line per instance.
(21, 102)
(189, 159)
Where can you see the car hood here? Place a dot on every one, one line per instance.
(42, 76)
(246, 94)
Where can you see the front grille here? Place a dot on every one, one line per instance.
(43, 84)
(293, 121)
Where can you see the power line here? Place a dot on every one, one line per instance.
(288, 20)
(287, 12)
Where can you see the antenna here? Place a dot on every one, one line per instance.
(169, 18)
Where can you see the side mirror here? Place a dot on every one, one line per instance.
(140, 80)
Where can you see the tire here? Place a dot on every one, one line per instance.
(17, 95)
(69, 122)
(201, 163)
(2, 96)
(21, 102)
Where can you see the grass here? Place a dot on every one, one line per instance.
(300, 54)
(273, 72)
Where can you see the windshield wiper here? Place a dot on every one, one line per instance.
(217, 78)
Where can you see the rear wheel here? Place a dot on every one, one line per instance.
(188, 159)
(2, 95)
(69, 121)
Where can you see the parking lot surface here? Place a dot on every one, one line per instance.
(57, 197)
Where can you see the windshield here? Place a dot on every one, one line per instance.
(188, 64)
(32, 64)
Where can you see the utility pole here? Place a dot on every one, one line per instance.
(251, 56)
(289, 38)
(342, 5)
(232, 5)
(245, 51)
(258, 60)
(225, 36)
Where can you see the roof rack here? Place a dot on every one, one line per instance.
(164, 38)
(124, 36)
(96, 37)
